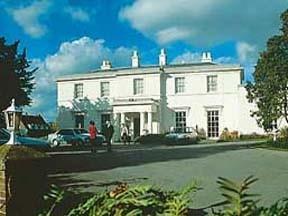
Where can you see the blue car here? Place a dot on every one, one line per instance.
(22, 140)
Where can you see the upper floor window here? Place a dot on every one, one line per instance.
(78, 90)
(211, 83)
(138, 86)
(179, 84)
(105, 89)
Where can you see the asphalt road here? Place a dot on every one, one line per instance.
(173, 168)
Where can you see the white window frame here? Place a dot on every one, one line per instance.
(78, 90)
(212, 84)
(213, 123)
(179, 85)
(138, 86)
(182, 122)
(105, 89)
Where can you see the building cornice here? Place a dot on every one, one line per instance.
(169, 69)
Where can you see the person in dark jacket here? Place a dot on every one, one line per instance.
(108, 132)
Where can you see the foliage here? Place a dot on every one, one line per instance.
(278, 144)
(226, 135)
(238, 202)
(16, 79)
(151, 139)
(132, 200)
(201, 133)
(253, 136)
(283, 135)
(270, 90)
(146, 200)
(278, 208)
(54, 197)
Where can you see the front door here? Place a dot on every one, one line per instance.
(104, 117)
(79, 121)
(136, 127)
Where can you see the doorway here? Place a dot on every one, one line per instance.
(79, 121)
(136, 122)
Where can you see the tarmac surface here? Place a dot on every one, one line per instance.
(173, 167)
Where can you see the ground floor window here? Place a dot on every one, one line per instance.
(180, 121)
(213, 123)
(104, 117)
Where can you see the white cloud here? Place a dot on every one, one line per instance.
(246, 52)
(77, 14)
(28, 18)
(187, 57)
(205, 22)
(190, 57)
(78, 56)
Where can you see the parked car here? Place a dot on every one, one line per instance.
(100, 138)
(181, 136)
(23, 140)
(72, 136)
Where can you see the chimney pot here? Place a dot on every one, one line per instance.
(106, 65)
(162, 58)
(135, 59)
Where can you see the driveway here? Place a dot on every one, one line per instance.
(173, 168)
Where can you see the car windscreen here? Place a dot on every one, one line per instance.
(80, 131)
(66, 132)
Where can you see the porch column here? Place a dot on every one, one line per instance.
(122, 117)
(142, 122)
(116, 121)
(149, 125)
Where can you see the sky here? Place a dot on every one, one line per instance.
(74, 36)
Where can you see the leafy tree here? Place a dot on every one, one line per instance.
(270, 87)
(16, 77)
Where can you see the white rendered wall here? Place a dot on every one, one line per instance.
(229, 99)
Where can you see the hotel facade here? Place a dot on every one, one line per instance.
(156, 99)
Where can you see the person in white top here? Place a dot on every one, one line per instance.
(124, 134)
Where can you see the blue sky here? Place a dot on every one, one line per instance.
(73, 36)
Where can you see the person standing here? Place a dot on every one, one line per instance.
(93, 133)
(124, 134)
(108, 133)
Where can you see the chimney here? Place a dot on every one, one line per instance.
(135, 60)
(206, 57)
(106, 65)
(162, 58)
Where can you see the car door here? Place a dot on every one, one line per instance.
(67, 135)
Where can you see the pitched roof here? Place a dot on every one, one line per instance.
(33, 119)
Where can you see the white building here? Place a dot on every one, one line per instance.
(153, 99)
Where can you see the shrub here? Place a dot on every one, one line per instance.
(201, 133)
(253, 136)
(151, 139)
(146, 200)
(131, 200)
(237, 199)
(226, 135)
(283, 135)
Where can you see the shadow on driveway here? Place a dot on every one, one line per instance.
(85, 161)
(62, 164)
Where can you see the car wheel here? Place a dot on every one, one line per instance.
(55, 143)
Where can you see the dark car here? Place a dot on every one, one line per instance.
(23, 140)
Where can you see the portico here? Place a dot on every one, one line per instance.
(141, 115)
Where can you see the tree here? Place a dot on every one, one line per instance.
(270, 88)
(16, 77)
